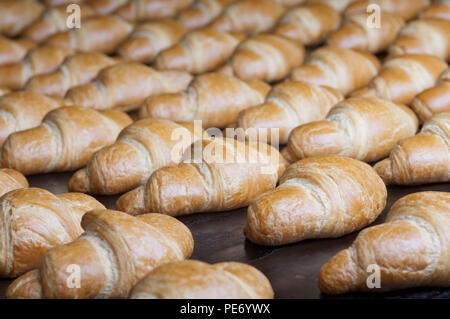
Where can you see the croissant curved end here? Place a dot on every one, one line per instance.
(384, 169)
(79, 182)
(132, 202)
(287, 155)
(27, 286)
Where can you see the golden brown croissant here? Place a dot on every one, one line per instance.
(424, 36)
(217, 175)
(439, 10)
(126, 85)
(44, 59)
(100, 34)
(192, 279)
(23, 110)
(10, 180)
(213, 98)
(249, 16)
(309, 24)
(33, 221)
(142, 10)
(421, 159)
(150, 38)
(76, 70)
(403, 77)
(140, 149)
(411, 249)
(358, 34)
(288, 105)
(12, 51)
(16, 15)
(54, 3)
(343, 69)
(65, 140)
(407, 9)
(201, 13)
(199, 51)
(318, 197)
(105, 7)
(339, 5)
(362, 128)
(111, 256)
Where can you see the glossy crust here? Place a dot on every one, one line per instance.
(411, 249)
(16, 15)
(216, 175)
(33, 221)
(407, 9)
(288, 105)
(362, 128)
(144, 10)
(343, 69)
(12, 51)
(114, 253)
(66, 139)
(319, 197)
(126, 85)
(421, 159)
(213, 98)
(140, 149)
(10, 180)
(439, 10)
(201, 13)
(192, 279)
(339, 5)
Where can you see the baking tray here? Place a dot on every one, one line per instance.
(292, 269)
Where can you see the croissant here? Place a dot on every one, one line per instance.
(111, 256)
(10, 180)
(249, 16)
(309, 24)
(16, 15)
(407, 9)
(23, 110)
(319, 197)
(140, 149)
(100, 34)
(12, 51)
(289, 105)
(265, 57)
(54, 3)
(192, 279)
(362, 128)
(66, 139)
(439, 10)
(358, 34)
(142, 10)
(213, 98)
(199, 51)
(339, 5)
(76, 70)
(433, 100)
(201, 13)
(410, 249)
(126, 85)
(403, 77)
(4, 91)
(424, 36)
(150, 38)
(343, 69)
(228, 174)
(44, 59)
(33, 221)
(421, 159)
(105, 7)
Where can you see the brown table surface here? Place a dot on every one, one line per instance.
(292, 269)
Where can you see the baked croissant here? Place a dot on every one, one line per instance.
(44, 59)
(288, 105)
(403, 77)
(33, 221)
(192, 279)
(411, 249)
(439, 10)
(12, 51)
(339, 5)
(99, 34)
(265, 57)
(215, 175)
(421, 159)
(358, 34)
(343, 69)
(249, 16)
(407, 9)
(76, 70)
(105, 7)
(66, 139)
(362, 128)
(16, 15)
(318, 197)
(4, 91)
(424, 36)
(213, 98)
(140, 149)
(143, 10)
(54, 3)
(199, 51)
(111, 256)
(201, 13)
(126, 85)
(10, 180)
(23, 110)
(309, 24)
(150, 38)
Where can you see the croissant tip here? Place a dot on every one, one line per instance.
(132, 202)
(337, 275)
(383, 169)
(79, 182)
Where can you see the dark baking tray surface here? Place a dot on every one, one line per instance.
(292, 269)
